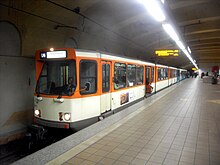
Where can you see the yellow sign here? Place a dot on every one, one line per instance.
(194, 69)
(167, 52)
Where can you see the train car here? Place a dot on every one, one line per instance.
(183, 74)
(75, 88)
(161, 77)
(172, 75)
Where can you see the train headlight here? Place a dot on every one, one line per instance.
(37, 112)
(67, 116)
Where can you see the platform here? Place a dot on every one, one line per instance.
(177, 126)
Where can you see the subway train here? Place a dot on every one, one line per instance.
(78, 87)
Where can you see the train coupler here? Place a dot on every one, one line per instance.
(36, 132)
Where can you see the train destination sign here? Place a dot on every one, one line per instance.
(164, 53)
(53, 54)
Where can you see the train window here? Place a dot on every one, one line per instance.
(105, 77)
(166, 73)
(119, 75)
(175, 74)
(57, 78)
(140, 75)
(162, 73)
(147, 75)
(88, 74)
(152, 74)
(171, 73)
(159, 73)
(131, 75)
(178, 73)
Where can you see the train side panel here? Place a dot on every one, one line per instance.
(161, 84)
(171, 81)
(123, 97)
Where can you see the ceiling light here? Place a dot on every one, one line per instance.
(153, 7)
(186, 53)
(188, 49)
(163, 1)
(190, 58)
(180, 44)
(170, 31)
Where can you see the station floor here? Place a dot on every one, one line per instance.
(180, 128)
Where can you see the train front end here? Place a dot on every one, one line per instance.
(54, 102)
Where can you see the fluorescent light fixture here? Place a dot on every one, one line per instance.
(170, 31)
(186, 53)
(188, 49)
(153, 7)
(180, 44)
(190, 58)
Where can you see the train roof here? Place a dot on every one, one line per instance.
(110, 56)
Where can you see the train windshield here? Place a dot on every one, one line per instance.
(57, 78)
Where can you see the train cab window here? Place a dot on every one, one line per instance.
(139, 75)
(131, 75)
(57, 78)
(88, 75)
(119, 75)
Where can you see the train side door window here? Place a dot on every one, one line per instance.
(159, 73)
(166, 73)
(171, 73)
(105, 77)
(131, 75)
(148, 75)
(152, 74)
(139, 75)
(175, 73)
(88, 75)
(119, 75)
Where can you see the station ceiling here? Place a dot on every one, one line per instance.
(117, 26)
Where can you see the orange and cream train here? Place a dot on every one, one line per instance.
(76, 87)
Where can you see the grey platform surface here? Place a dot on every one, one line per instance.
(180, 128)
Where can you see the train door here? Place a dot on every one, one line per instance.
(178, 75)
(106, 94)
(148, 79)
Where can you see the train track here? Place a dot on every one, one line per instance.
(18, 149)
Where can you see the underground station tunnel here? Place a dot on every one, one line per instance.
(105, 82)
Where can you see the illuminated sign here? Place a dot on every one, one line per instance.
(53, 54)
(165, 53)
